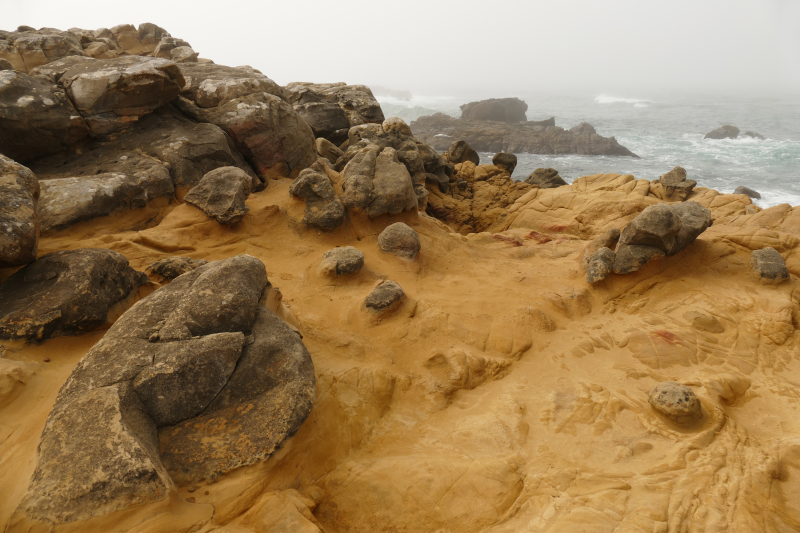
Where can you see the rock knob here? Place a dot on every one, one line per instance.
(675, 401)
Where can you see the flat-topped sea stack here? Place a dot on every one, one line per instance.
(231, 306)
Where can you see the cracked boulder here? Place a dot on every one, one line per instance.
(221, 194)
(112, 93)
(193, 381)
(19, 217)
(36, 117)
(250, 108)
(98, 183)
(659, 230)
(323, 209)
(65, 293)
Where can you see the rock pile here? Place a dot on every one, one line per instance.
(162, 383)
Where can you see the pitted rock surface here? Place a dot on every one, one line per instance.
(19, 217)
(323, 208)
(179, 360)
(675, 401)
(65, 293)
(769, 266)
(385, 297)
(401, 240)
(342, 261)
(36, 117)
(221, 194)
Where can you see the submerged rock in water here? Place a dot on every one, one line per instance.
(723, 132)
(748, 191)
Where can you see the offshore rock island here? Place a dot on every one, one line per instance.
(232, 306)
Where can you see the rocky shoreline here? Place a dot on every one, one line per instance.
(231, 306)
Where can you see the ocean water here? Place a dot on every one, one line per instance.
(664, 131)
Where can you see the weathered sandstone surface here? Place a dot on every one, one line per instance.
(390, 338)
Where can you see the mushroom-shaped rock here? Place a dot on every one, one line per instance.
(170, 268)
(195, 380)
(723, 132)
(19, 218)
(65, 293)
(769, 266)
(741, 189)
(599, 265)
(545, 178)
(460, 151)
(675, 184)
(401, 240)
(675, 401)
(36, 117)
(221, 194)
(385, 297)
(323, 209)
(342, 261)
(112, 93)
(505, 161)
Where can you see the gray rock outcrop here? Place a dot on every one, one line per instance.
(170, 268)
(496, 109)
(36, 117)
(342, 261)
(661, 229)
(165, 383)
(675, 401)
(401, 240)
(356, 101)
(65, 293)
(19, 214)
(221, 194)
(507, 162)
(439, 130)
(384, 298)
(545, 178)
(323, 208)
(599, 265)
(769, 266)
(250, 108)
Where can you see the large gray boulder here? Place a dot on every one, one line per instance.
(401, 240)
(221, 194)
(659, 230)
(112, 93)
(496, 109)
(98, 183)
(545, 178)
(769, 266)
(251, 108)
(507, 162)
(193, 381)
(324, 118)
(383, 188)
(65, 293)
(36, 117)
(323, 209)
(19, 217)
(357, 101)
(723, 132)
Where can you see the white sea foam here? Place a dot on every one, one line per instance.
(607, 99)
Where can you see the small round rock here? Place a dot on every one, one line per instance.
(384, 297)
(342, 261)
(399, 239)
(675, 401)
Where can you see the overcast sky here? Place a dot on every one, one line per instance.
(431, 46)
